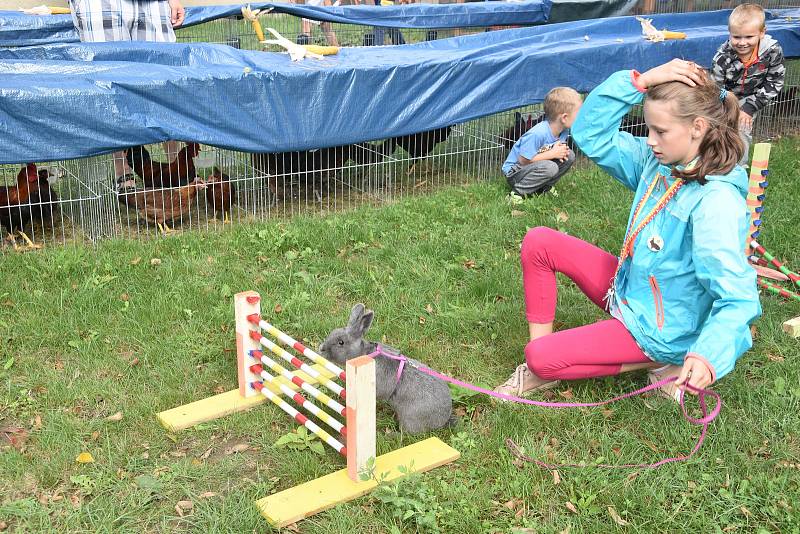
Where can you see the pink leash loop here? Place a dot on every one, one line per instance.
(705, 420)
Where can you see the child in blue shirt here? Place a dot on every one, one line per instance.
(541, 156)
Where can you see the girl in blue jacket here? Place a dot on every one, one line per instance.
(680, 294)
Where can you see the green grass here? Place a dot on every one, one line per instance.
(75, 319)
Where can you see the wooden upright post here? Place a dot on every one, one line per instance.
(360, 402)
(759, 163)
(246, 303)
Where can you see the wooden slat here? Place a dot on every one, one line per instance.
(294, 504)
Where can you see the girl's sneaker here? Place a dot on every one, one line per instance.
(523, 381)
(668, 391)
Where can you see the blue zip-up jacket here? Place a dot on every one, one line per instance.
(696, 296)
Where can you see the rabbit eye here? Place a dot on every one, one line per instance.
(341, 342)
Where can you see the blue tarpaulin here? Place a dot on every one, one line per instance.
(69, 101)
(18, 29)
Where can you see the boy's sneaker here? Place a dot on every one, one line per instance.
(303, 39)
(126, 184)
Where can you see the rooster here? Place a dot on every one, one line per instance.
(164, 205)
(521, 125)
(155, 174)
(419, 145)
(315, 166)
(220, 193)
(30, 200)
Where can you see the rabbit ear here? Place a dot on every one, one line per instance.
(355, 315)
(363, 323)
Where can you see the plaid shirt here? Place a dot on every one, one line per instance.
(756, 84)
(122, 20)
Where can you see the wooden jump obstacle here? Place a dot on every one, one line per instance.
(262, 378)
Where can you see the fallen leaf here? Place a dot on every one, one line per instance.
(3, 525)
(219, 389)
(124, 297)
(567, 394)
(59, 365)
(95, 435)
(16, 436)
(429, 308)
(556, 478)
(520, 512)
(135, 361)
(421, 319)
(37, 421)
(562, 217)
(239, 447)
(136, 261)
(84, 458)
(512, 504)
(691, 485)
(155, 262)
(517, 213)
(184, 506)
(116, 417)
(278, 308)
(745, 511)
(470, 264)
(571, 507)
(774, 358)
(607, 412)
(160, 470)
(207, 495)
(206, 454)
(615, 516)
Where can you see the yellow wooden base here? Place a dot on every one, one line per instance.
(307, 499)
(223, 404)
(792, 327)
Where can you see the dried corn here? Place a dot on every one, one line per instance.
(252, 16)
(322, 50)
(673, 35)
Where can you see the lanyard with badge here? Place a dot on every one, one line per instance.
(634, 229)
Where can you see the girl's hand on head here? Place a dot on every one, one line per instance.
(745, 121)
(677, 70)
(697, 373)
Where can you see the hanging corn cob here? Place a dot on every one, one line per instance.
(252, 16)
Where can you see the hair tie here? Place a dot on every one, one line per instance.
(723, 94)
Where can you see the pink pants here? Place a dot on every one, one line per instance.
(598, 349)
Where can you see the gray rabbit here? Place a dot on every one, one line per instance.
(421, 402)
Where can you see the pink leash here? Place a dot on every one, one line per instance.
(705, 420)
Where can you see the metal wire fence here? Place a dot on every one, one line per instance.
(188, 186)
